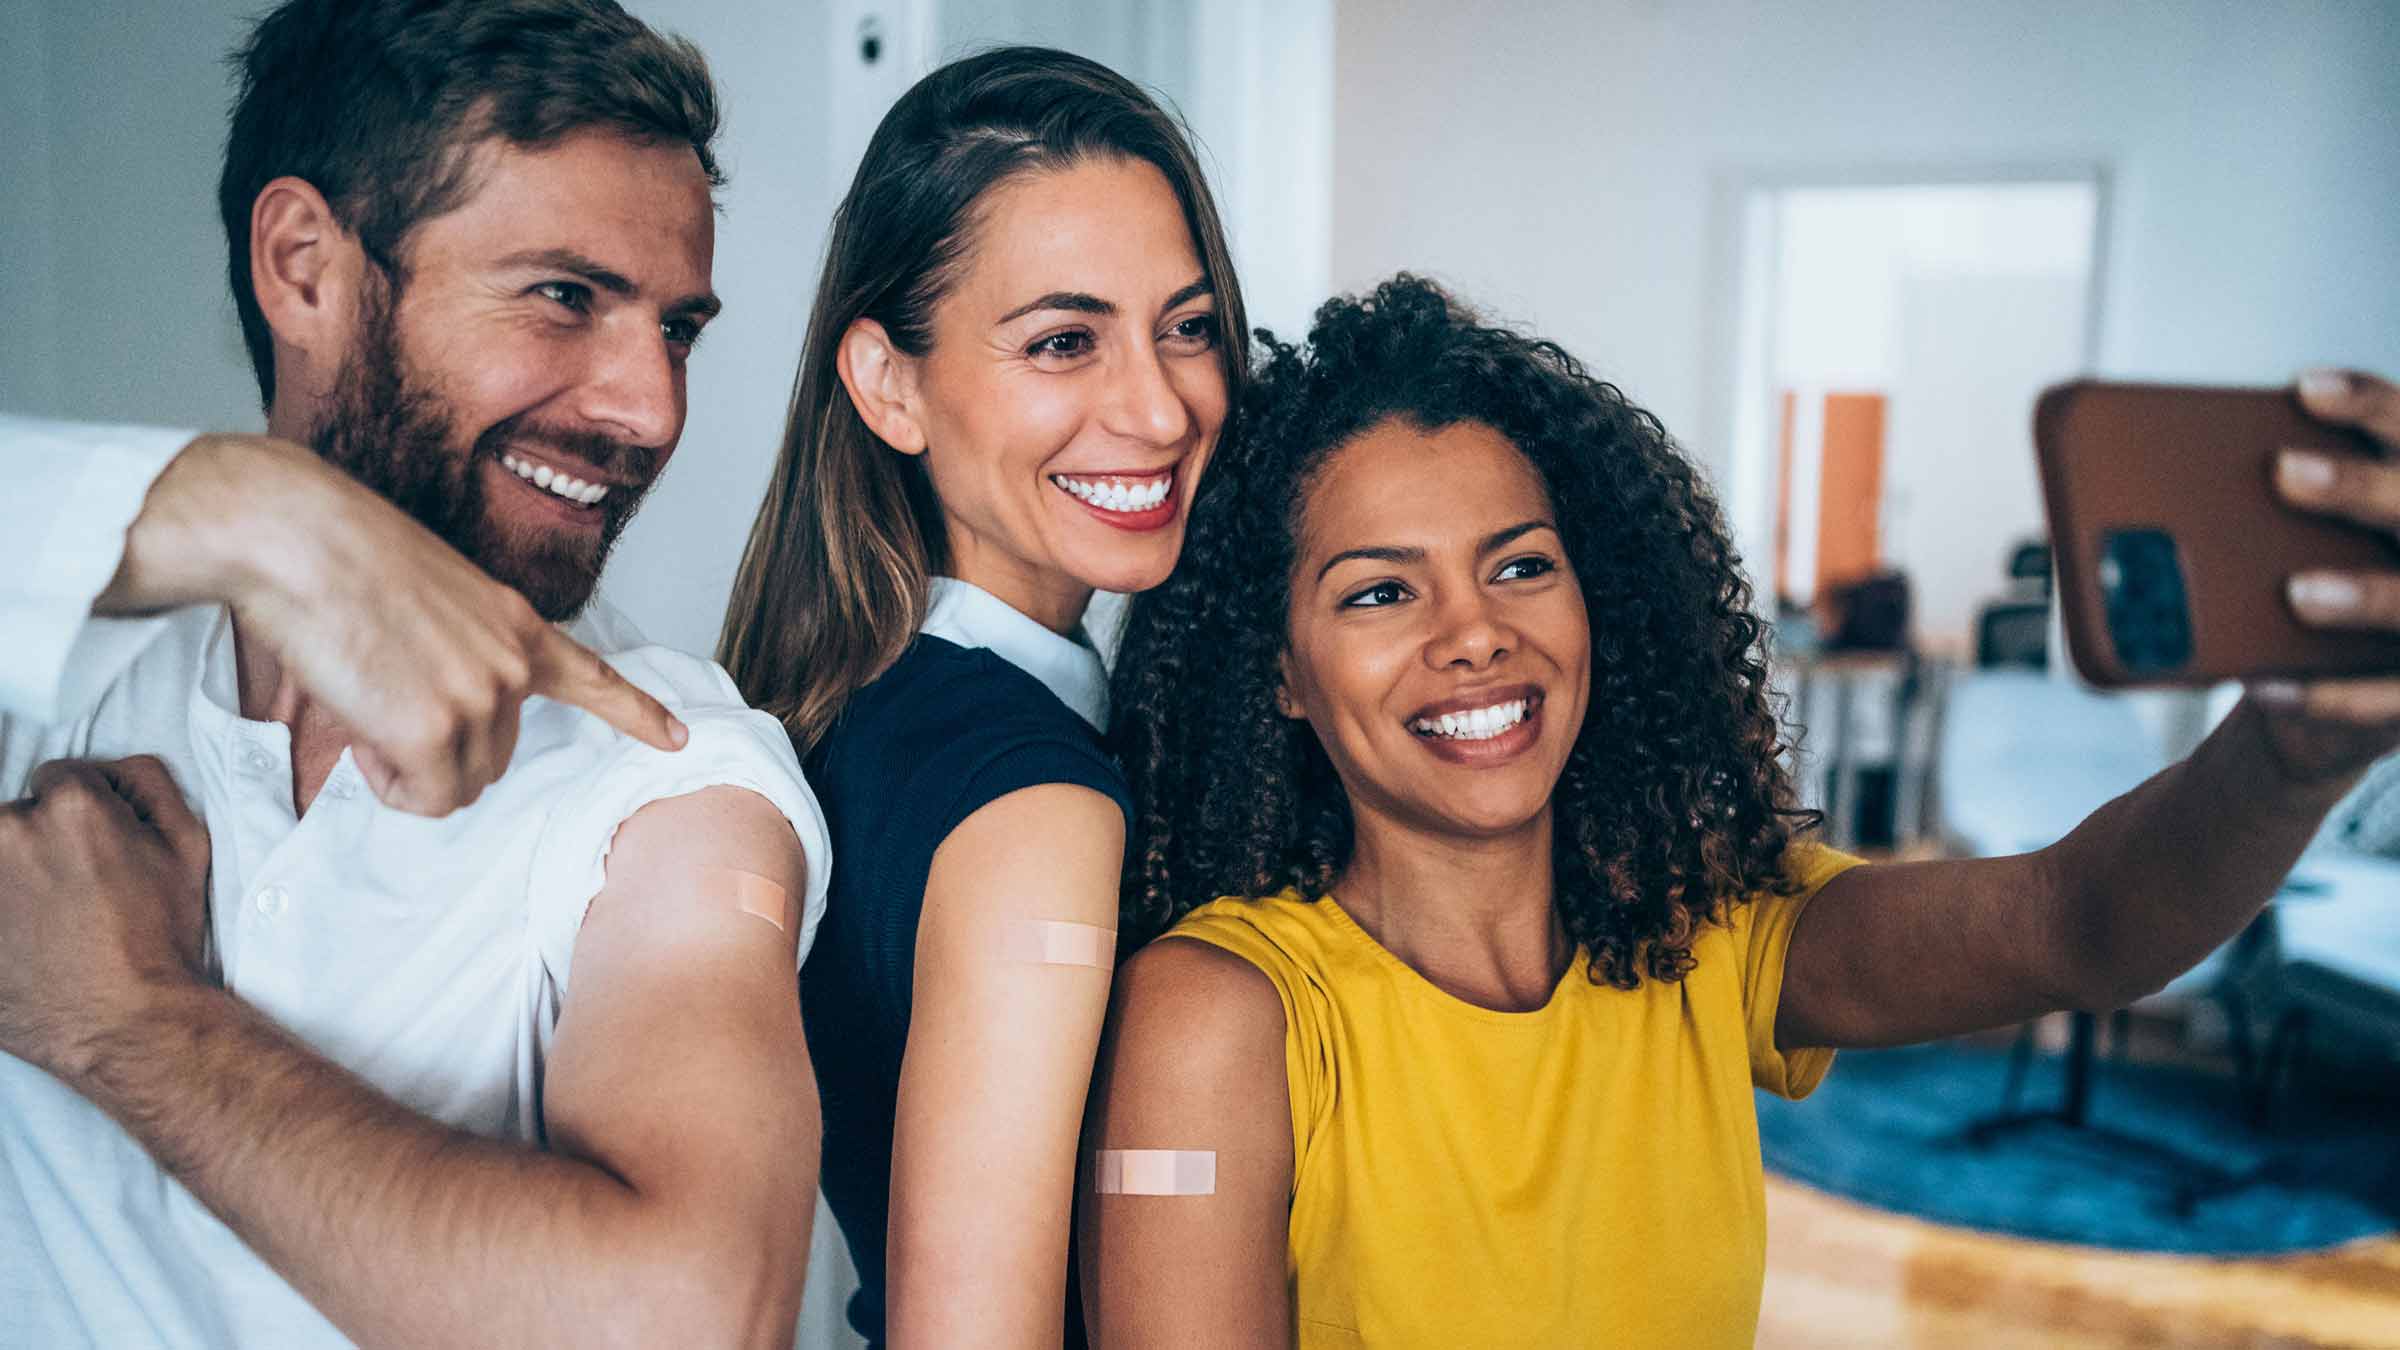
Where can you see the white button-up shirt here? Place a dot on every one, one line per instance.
(430, 957)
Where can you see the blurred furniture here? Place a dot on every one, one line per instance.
(2013, 633)
(2014, 630)
(2024, 758)
(2337, 928)
(1869, 717)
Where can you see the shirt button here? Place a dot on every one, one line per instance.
(258, 761)
(272, 901)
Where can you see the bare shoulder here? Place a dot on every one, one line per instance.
(1200, 1011)
(724, 826)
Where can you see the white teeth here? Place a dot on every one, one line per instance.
(1478, 724)
(564, 485)
(1114, 494)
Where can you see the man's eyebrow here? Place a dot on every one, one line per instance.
(703, 304)
(568, 260)
(1374, 553)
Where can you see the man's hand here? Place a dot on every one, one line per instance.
(103, 894)
(2330, 729)
(416, 650)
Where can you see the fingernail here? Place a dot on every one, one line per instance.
(2304, 471)
(2276, 693)
(2324, 591)
(2324, 383)
(678, 732)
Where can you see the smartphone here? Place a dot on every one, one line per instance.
(2172, 546)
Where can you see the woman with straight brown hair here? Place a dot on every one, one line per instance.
(1015, 372)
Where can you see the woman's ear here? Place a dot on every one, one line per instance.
(1285, 702)
(882, 381)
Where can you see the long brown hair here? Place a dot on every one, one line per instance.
(833, 583)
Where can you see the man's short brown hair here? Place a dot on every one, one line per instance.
(378, 104)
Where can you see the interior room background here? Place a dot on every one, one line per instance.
(1590, 168)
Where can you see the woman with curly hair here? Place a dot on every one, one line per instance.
(1457, 699)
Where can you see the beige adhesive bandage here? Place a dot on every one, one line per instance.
(1052, 942)
(752, 894)
(1154, 1171)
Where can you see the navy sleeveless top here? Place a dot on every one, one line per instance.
(946, 730)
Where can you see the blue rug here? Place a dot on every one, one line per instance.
(1887, 1129)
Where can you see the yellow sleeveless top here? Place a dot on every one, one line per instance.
(1583, 1174)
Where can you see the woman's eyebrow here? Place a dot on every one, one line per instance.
(1084, 302)
(1076, 302)
(1499, 539)
(1375, 553)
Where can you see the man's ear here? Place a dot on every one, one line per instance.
(307, 272)
(882, 381)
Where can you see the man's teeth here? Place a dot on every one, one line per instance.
(1118, 494)
(1476, 724)
(559, 484)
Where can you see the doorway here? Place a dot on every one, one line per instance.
(1893, 336)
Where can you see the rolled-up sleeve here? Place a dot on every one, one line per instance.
(68, 493)
(731, 745)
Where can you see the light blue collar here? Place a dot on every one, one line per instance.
(971, 616)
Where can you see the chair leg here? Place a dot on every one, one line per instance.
(2020, 1062)
(2284, 1048)
(2238, 1031)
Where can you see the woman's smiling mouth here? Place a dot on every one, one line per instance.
(1129, 501)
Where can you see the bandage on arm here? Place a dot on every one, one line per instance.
(748, 893)
(1015, 946)
(1184, 1220)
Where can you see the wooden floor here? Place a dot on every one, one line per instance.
(1842, 1275)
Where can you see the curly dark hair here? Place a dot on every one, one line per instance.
(1674, 803)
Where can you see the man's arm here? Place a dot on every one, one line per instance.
(68, 494)
(675, 1203)
(417, 651)
(1193, 1061)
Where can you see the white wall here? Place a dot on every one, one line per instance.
(1572, 163)
(1960, 488)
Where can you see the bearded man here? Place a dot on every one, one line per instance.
(360, 775)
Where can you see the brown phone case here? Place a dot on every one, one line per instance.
(2172, 544)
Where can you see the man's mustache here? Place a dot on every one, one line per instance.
(634, 464)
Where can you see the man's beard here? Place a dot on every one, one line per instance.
(390, 432)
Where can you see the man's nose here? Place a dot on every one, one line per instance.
(634, 389)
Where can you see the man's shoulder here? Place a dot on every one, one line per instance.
(730, 741)
(682, 680)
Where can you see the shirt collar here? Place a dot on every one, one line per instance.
(971, 616)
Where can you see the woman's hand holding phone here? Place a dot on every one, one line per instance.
(2327, 728)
